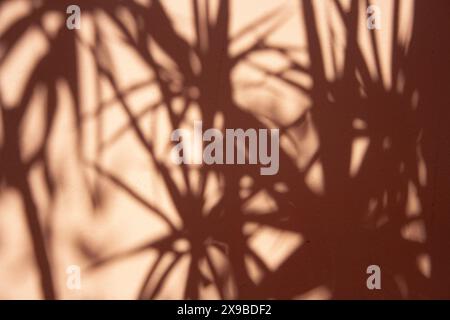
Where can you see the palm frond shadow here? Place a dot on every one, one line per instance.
(341, 235)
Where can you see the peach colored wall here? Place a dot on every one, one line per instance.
(87, 215)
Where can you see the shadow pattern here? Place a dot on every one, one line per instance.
(360, 218)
